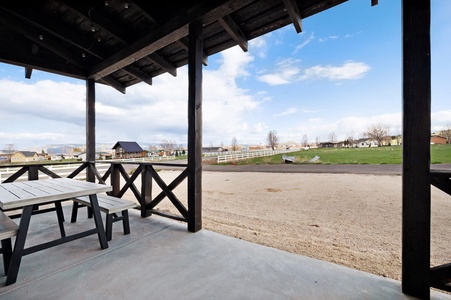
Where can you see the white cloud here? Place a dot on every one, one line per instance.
(348, 71)
(285, 73)
(259, 46)
(54, 112)
(259, 127)
(305, 42)
(331, 37)
(288, 111)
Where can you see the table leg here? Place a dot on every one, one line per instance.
(98, 221)
(19, 245)
(60, 215)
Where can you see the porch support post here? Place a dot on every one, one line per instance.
(416, 189)
(195, 53)
(90, 126)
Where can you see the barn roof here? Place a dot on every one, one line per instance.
(128, 146)
(122, 42)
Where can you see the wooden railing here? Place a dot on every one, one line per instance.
(441, 275)
(121, 181)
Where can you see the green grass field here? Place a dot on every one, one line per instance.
(440, 154)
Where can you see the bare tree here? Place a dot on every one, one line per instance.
(446, 133)
(10, 148)
(332, 137)
(167, 146)
(304, 140)
(377, 132)
(272, 138)
(317, 141)
(350, 140)
(234, 144)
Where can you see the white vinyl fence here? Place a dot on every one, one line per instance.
(250, 154)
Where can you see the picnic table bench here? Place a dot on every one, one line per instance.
(109, 205)
(8, 229)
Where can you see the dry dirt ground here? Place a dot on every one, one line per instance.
(352, 220)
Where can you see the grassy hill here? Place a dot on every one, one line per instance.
(440, 154)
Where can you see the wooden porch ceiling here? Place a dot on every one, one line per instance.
(123, 42)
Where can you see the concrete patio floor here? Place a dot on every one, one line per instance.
(160, 259)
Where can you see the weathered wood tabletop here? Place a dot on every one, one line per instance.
(20, 194)
(25, 195)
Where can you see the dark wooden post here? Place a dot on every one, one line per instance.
(90, 126)
(115, 179)
(195, 127)
(33, 172)
(146, 189)
(416, 190)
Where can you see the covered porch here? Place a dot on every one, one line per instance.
(47, 37)
(160, 260)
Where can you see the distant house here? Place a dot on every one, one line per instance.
(24, 156)
(366, 143)
(57, 157)
(4, 158)
(396, 140)
(212, 149)
(125, 150)
(327, 145)
(438, 139)
(98, 156)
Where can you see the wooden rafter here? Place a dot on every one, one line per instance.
(49, 43)
(234, 31)
(36, 37)
(105, 25)
(29, 70)
(295, 15)
(374, 2)
(184, 43)
(164, 35)
(164, 64)
(79, 42)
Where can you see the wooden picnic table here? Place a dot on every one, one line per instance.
(25, 195)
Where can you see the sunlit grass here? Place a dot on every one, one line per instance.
(440, 154)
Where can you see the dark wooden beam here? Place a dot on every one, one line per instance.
(295, 15)
(36, 37)
(97, 20)
(113, 83)
(25, 60)
(374, 2)
(64, 34)
(184, 43)
(139, 74)
(175, 29)
(416, 190)
(28, 72)
(103, 24)
(90, 126)
(164, 64)
(45, 41)
(195, 127)
(234, 31)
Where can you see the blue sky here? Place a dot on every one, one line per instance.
(341, 74)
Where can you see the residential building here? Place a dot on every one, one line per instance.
(125, 150)
(24, 156)
(438, 139)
